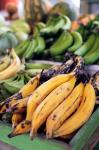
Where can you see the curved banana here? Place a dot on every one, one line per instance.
(4, 63)
(81, 115)
(16, 119)
(50, 103)
(64, 110)
(20, 106)
(77, 41)
(64, 42)
(26, 91)
(21, 128)
(86, 46)
(13, 68)
(36, 98)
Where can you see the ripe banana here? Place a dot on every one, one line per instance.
(36, 98)
(20, 129)
(24, 92)
(86, 46)
(64, 110)
(4, 63)
(16, 119)
(81, 115)
(16, 65)
(50, 103)
(64, 42)
(77, 41)
(43, 91)
(20, 106)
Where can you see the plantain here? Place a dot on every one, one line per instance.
(36, 98)
(20, 106)
(77, 41)
(50, 103)
(16, 65)
(4, 63)
(81, 115)
(86, 46)
(16, 119)
(62, 44)
(64, 110)
(24, 92)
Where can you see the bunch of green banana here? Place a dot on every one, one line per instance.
(55, 23)
(13, 85)
(29, 48)
(68, 41)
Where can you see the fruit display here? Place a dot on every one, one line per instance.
(52, 40)
(53, 100)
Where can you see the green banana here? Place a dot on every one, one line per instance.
(67, 24)
(37, 66)
(20, 51)
(92, 58)
(30, 51)
(33, 72)
(95, 46)
(26, 77)
(77, 41)
(86, 46)
(62, 44)
(4, 63)
(39, 49)
(15, 85)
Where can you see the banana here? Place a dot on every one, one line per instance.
(16, 119)
(36, 98)
(22, 48)
(64, 42)
(50, 103)
(39, 49)
(67, 25)
(37, 65)
(27, 90)
(16, 65)
(81, 115)
(64, 110)
(95, 46)
(15, 85)
(92, 57)
(20, 129)
(77, 41)
(4, 63)
(86, 46)
(30, 46)
(20, 105)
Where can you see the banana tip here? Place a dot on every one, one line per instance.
(10, 135)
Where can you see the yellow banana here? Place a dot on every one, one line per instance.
(43, 91)
(20, 106)
(64, 110)
(17, 118)
(81, 115)
(14, 67)
(50, 103)
(21, 128)
(36, 98)
(4, 63)
(26, 91)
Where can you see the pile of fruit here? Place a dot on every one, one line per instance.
(53, 100)
(53, 39)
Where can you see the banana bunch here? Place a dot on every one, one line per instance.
(12, 85)
(30, 48)
(9, 66)
(60, 101)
